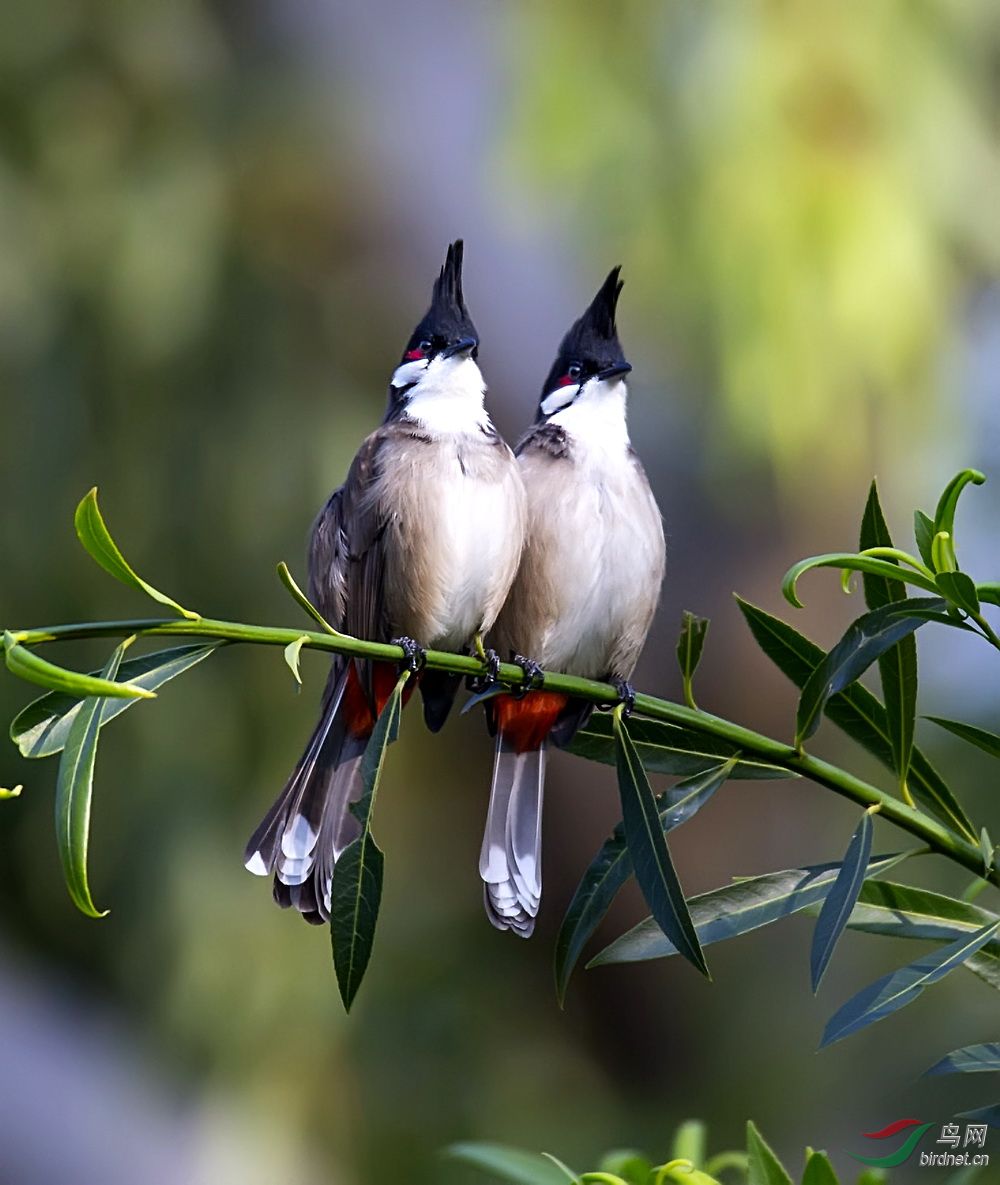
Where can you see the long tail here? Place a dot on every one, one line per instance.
(303, 834)
(510, 862)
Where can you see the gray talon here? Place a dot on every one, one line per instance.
(416, 655)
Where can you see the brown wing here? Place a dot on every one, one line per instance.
(346, 564)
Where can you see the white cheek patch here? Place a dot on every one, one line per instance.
(409, 373)
(559, 398)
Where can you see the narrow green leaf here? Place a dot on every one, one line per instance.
(851, 562)
(989, 742)
(300, 598)
(654, 870)
(898, 666)
(987, 849)
(865, 640)
(567, 1172)
(819, 1170)
(29, 666)
(667, 749)
(738, 908)
(902, 911)
(923, 533)
(74, 790)
(990, 593)
(690, 1142)
(689, 648)
(971, 1059)
(629, 1165)
(856, 711)
(763, 1168)
(841, 899)
(357, 875)
(612, 866)
(291, 652)
(988, 1115)
(960, 590)
(944, 516)
(96, 539)
(902, 987)
(41, 729)
(510, 1164)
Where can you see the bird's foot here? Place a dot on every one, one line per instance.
(534, 676)
(486, 680)
(626, 695)
(415, 654)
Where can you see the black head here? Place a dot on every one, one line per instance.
(446, 327)
(590, 349)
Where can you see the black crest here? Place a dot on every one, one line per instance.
(447, 320)
(592, 342)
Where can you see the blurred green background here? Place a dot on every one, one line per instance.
(218, 225)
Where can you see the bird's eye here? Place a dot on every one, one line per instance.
(575, 370)
(426, 346)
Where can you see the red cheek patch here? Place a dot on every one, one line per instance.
(565, 381)
(413, 355)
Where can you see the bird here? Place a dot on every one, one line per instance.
(584, 596)
(418, 547)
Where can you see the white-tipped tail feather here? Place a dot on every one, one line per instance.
(310, 824)
(510, 862)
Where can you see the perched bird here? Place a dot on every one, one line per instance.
(584, 596)
(419, 546)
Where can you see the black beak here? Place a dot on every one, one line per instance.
(464, 345)
(610, 372)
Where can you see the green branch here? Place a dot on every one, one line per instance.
(938, 837)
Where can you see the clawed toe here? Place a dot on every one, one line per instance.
(626, 695)
(534, 676)
(415, 654)
(483, 682)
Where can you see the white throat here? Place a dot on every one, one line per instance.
(447, 394)
(595, 420)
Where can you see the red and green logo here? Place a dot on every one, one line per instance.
(904, 1151)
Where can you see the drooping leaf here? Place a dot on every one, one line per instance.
(612, 866)
(41, 729)
(819, 1170)
(944, 515)
(292, 651)
(763, 1167)
(989, 742)
(654, 869)
(971, 1059)
(510, 1164)
(33, 669)
(667, 749)
(357, 876)
(851, 562)
(841, 899)
(738, 908)
(74, 790)
(903, 911)
(898, 665)
(567, 1172)
(960, 590)
(864, 640)
(856, 711)
(689, 647)
(96, 539)
(987, 849)
(902, 987)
